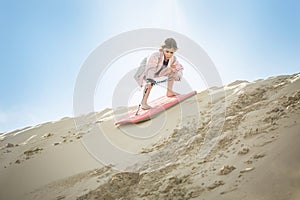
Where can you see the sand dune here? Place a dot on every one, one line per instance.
(239, 141)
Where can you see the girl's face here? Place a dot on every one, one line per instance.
(168, 53)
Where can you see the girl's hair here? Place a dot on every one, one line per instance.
(169, 43)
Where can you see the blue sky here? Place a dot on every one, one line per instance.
(44, 44)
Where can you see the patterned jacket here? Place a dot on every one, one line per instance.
(152, 64)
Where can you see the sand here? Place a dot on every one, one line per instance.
(239, 141)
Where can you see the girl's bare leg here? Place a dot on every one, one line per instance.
(144, 103)
(168, 72)
(170, 92)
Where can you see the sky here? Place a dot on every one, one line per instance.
(45, 43)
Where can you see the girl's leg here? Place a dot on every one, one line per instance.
(168, 72)
(144, 103)
(170, 92)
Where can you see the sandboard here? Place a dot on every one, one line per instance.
(158, 106)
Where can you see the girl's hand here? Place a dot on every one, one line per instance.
(177, 67)
(172, 69)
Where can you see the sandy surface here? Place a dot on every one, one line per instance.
(240, 141)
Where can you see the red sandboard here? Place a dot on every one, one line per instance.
(157, 105)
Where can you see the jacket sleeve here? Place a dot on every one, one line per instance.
(151, 66)
(179, 68)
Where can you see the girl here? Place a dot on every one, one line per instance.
(161, 63)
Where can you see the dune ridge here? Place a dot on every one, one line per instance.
(243, 145)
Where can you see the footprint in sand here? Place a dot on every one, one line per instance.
(9, 145)
(47, 135)
(215, 185)
(260, 155)
(31, 152)
(244, 151)
(255, 158)
(226, 169)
